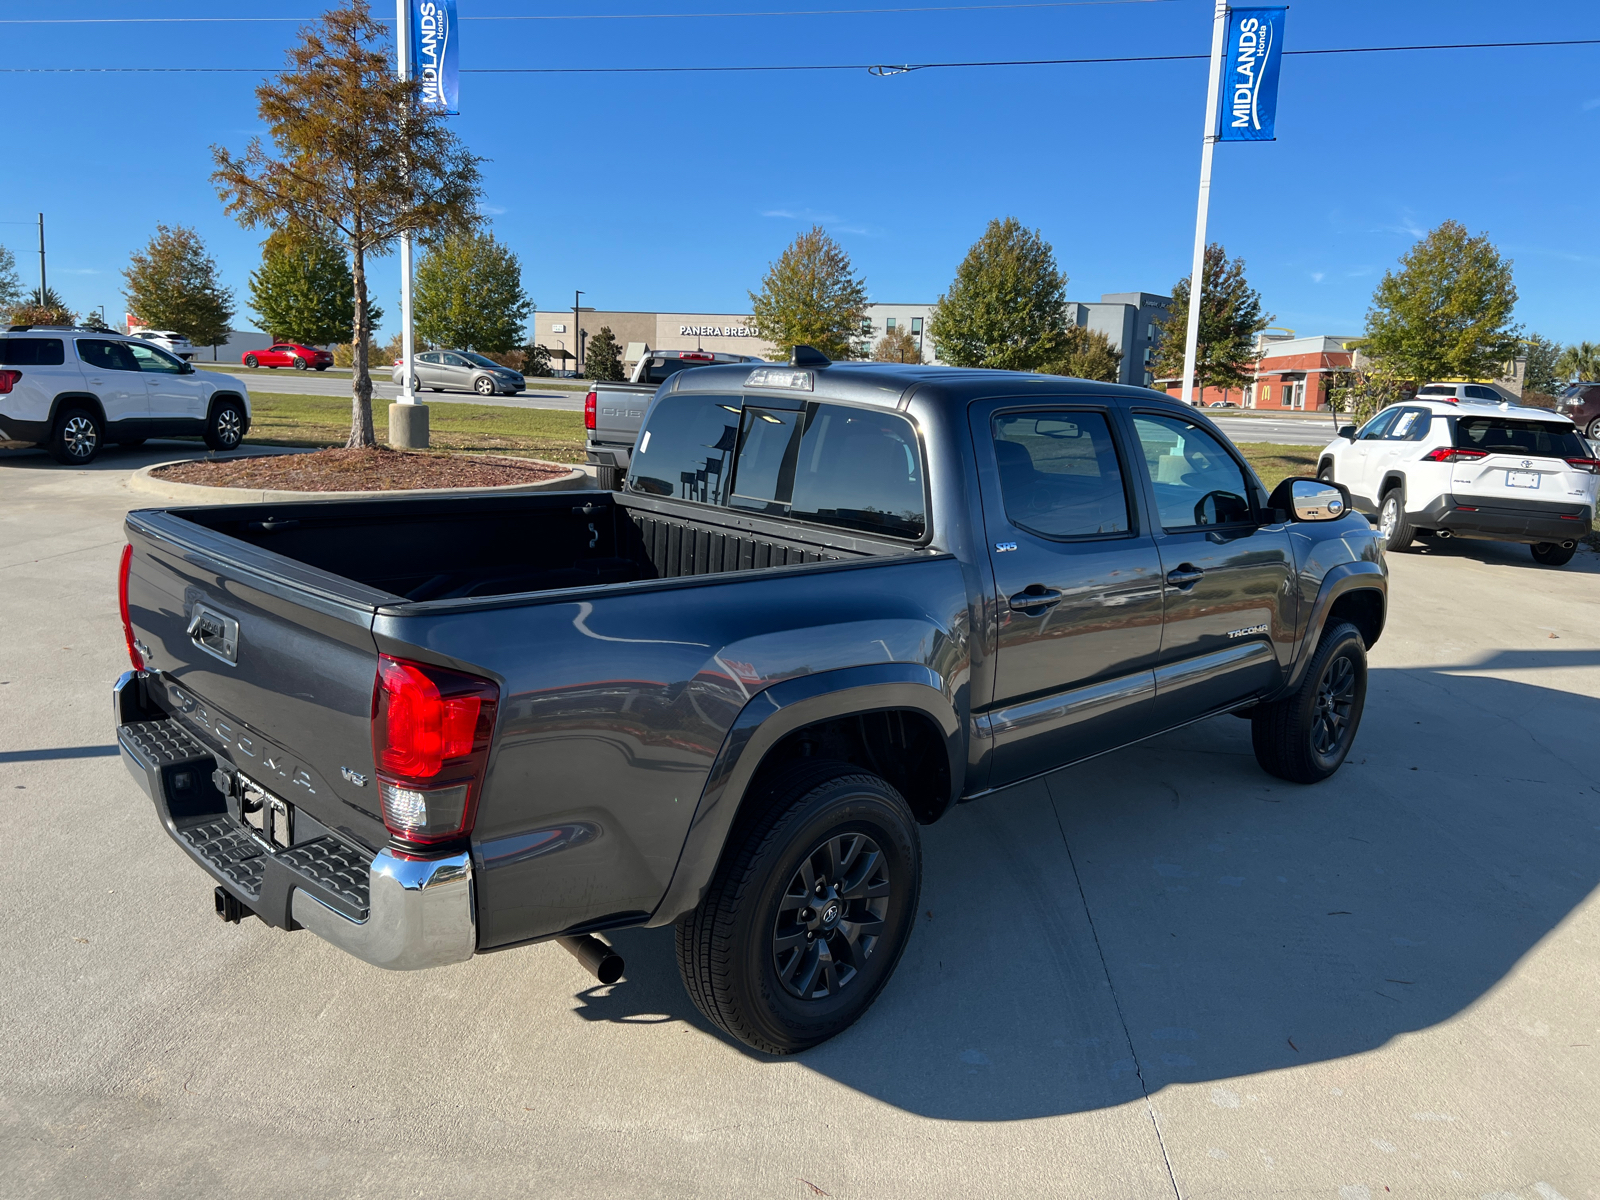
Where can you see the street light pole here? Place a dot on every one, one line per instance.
(1191, 342)
(577, 337)
(42, 292)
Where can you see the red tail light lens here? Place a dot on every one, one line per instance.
(1453, 454)
(8, 380)
(1591, 465)
(696, 356)
(431, 730)
(122, 602)
(588, 411)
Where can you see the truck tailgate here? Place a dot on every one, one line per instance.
(270, 662)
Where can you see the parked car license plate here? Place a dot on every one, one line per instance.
(1527, 479)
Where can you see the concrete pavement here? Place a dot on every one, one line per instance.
(1161, 973)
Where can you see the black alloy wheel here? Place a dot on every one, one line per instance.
(251, 361)
(1306, 736)
(299, 363)
(77, 438)
(831, 916)
(810, 908)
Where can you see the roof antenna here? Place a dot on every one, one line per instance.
(809, 356)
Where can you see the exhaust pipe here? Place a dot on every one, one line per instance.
(599, 959)
(1444, 533)
(1568, 545)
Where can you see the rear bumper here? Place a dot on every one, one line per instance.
(395, 910)
(1531, 521)
(602, 455)
(29, 433)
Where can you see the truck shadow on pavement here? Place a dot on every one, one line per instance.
(1172, 914)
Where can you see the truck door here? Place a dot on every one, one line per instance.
(1077, 580)
(1231, 604)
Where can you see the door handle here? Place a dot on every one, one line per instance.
(1034, 599)
(1185, 575)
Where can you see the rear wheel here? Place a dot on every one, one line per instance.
(1553, 554)
(1392, 523)
(809, 911)
(225, 428)
(1593, 432)
(298, 363)
(250, 360)
(609, 478)
(1305, 736)
(77, 437)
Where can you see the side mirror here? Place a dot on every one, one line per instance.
(1348, 432)
(1310, 500)
(186, 369)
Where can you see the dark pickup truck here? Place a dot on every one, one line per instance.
(832, 601)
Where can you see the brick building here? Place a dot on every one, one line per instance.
(1293, 374)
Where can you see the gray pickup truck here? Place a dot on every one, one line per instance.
(612, 412)
(832, 601)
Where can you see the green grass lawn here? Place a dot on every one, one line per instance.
(290, 420)
(1275, 462)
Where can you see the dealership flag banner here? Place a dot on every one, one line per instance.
(1249, 105)
(433, 54)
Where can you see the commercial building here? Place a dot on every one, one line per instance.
(1130, 321)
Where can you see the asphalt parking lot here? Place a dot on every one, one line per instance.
(1160, 973)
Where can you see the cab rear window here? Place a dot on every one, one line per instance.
(1502, 435)
(31, 352)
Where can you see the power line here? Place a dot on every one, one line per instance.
(881, 69)
(795, 12)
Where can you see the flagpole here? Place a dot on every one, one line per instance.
(1191, 342)
(402, 43)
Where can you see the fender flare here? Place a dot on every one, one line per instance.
(770, 716)
(1341, 580)
(87, 399)
(211, 405)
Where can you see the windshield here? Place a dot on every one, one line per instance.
(478, 359)
(1505, 435)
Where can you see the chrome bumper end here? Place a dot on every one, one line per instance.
(420, 913)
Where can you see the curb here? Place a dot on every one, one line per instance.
(144, 482)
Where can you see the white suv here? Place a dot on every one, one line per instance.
(72, 390)
(1471, 469)
(175, 344)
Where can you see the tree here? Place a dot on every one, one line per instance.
(10, 285)
(1447, 313)
(1580, 363)
(359, 159)
(49, 309)
(469, 294)
(303, 291)
(811, 297)
(174, 285)
(1086, 354)
(897, 345)
(93, 320)
(603, 360)
(1006, 307)
(1541, 375)
(535, 361)
(1230, 318)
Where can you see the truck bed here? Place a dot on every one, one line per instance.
(461, 548)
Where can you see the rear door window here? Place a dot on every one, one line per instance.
(1504, 435)
(1059, 474)
(1409, 425)
(31, 352)
(860, 469)
(1473, 392)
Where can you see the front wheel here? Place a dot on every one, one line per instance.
(1305, 736)
(484, 386)
(809, 911)
(1553, 554)
(225, 428)
(1392, 522)
(250, 360)
(1325, 472)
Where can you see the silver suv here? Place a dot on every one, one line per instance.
(71, 390)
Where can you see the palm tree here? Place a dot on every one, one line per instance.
(1580, 362)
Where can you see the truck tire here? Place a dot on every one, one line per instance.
(809, 910)
(1305, 736)
(76, 438)
(1553, 554)
(609, 479)
(1392, 523)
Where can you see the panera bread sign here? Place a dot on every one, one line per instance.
(734, 331)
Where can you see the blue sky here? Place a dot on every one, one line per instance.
(673, 192)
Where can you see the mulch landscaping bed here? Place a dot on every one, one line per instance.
(375, 470)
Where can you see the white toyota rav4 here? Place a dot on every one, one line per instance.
(72, 390)
(1470, 469)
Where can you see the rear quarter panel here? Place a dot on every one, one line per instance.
(615, 704)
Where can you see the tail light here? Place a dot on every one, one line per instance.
(1591, 465)
(1452, 454)
(123, 568)
(431, 730)
(8, 380)
(588, 411)
(695, 356)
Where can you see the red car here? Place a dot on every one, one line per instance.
(288, 354)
